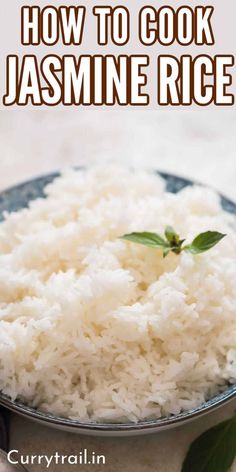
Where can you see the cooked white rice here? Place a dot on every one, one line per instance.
(97, 328)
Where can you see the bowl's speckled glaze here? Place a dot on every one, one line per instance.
(18, 197)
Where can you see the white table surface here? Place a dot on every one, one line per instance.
(200, 145)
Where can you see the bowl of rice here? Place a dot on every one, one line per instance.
(101, 336)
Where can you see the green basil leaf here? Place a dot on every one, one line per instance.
(204, 241)
(166, 251)
(214, 450)
(147, 239)
(171, 235)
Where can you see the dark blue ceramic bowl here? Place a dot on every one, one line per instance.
(18, 197)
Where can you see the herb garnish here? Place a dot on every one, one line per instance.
(214, 450)
(171, 241)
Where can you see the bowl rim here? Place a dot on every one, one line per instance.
(143, 425)
(50, 176)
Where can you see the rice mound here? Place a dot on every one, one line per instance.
(96, 328)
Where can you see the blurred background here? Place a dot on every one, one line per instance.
(196, 144)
